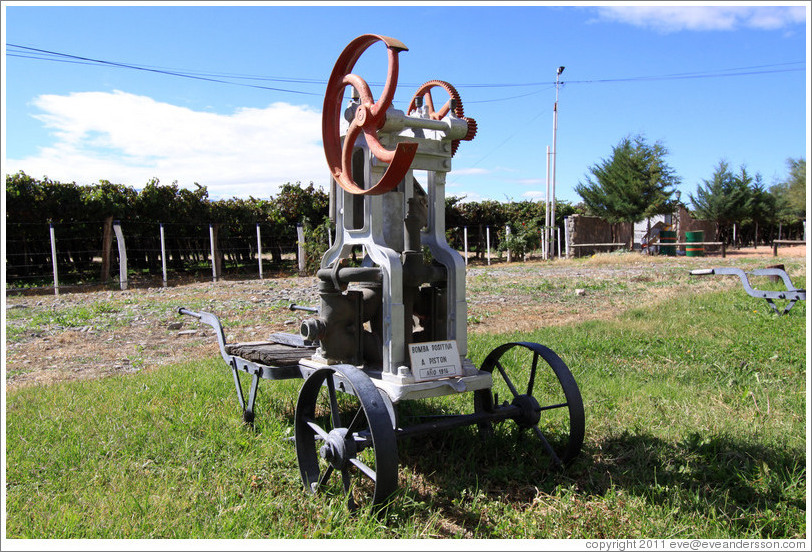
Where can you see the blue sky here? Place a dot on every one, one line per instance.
(726, 82)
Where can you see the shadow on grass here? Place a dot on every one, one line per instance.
(748, 484)
(754, 489)
(454, 471)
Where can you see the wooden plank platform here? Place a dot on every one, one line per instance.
(269, 353)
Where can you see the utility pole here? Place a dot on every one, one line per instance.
(546, 233)
(555, 131)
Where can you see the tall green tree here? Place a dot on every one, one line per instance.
(791, 192)
(634, 183)
(760, 207)
(723, 199)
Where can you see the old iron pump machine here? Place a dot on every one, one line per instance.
(380, 206)
(394, 327)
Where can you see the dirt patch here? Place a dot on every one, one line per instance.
(105, 333)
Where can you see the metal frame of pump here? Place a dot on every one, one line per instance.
(401, 294)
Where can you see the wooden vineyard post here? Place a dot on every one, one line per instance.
(259, 251)
(53, 258)
(216, 264)
(122, 255)
(107, 246)
(507, 241)
(465, 242)
(488, 241)
(163, 253)
(300, 248)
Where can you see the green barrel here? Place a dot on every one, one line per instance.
(668, 240)
(691, 238)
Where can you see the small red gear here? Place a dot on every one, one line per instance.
(454, 96)
(472, 128)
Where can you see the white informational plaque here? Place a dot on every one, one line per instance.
(435, 360)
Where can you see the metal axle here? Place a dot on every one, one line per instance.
(501, 414)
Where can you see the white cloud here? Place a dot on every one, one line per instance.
(128, 139)
(672, 18)
(534, 195)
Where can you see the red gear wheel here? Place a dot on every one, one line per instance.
(425, 91)
(428, 101)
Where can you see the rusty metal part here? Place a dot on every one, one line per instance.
(425, 92)
(472, 128)
(454, 103)
(370, 116)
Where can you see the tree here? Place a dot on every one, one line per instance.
(723, 198)
(633, 184)
(789, 197)
(760, 206)
(793, 191)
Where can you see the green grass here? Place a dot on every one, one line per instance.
(695, 429)
(21, 322)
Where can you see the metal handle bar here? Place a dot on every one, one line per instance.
(187, 312)
(792, 294)
(744, 275)
(295, 307)
(214, 322)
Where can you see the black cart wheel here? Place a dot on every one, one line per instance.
(344, 429)
(549, 400)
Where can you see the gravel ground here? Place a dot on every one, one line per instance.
(103, 333)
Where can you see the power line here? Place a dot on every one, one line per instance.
(509, 97)
(705, 75)
(28, 52)
(93, 61)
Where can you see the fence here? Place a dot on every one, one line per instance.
(71, 256)
(45, 256)
(78, 254)
(485, 239)
(776, 243)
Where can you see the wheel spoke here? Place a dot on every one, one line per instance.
(358, 416)
(347, 480)
(507, 379)
(533, 373)
(335, 414)
(547, 446)
(317, 428)
(325, 477)
(369, 472)
(363, 439)
(553, 406)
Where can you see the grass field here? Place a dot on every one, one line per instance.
(695, 428)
